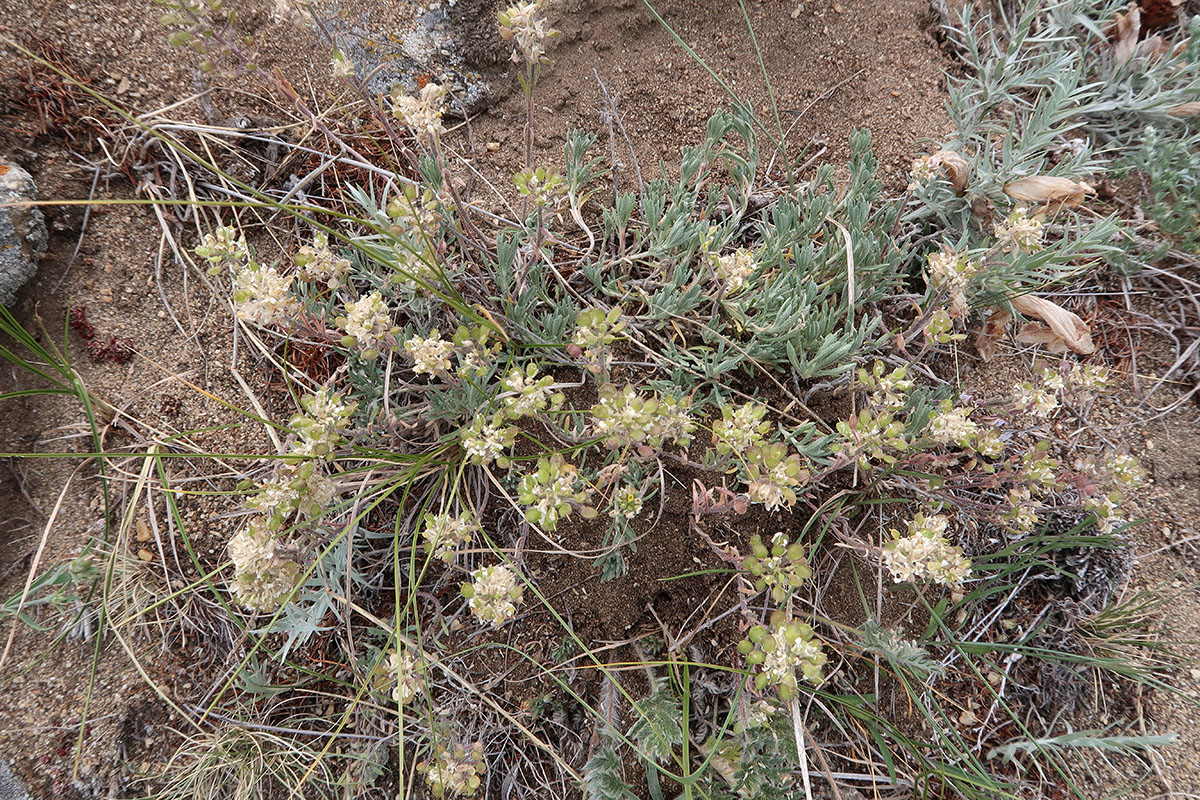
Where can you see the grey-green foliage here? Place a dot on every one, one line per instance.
(1171, 168)
(603, 779)
(902, 654)
(657, 730)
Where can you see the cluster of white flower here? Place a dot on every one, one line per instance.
(422, 114)
(416, 212)
(549, 492)
(1106, 509)
(301, 487)
(529, 394)
(431, 355)
(485, 441)
(926, 553)
(318, 262)
(454, 770)
(320, 427)
(404, 673)
(525, 24)
(340, 66)
(367, 324)
(780, 568)
(779, 650)
(262, 295)
(1039, 470)
(952, 425)
(871, 437)
(222, 246)
(623, 418)
(262, 576)
(1021, 516)
(626, 503)
(888, 391)
(1125, 471)
(493, 594)
(953, 272)
(444, 534)
(1039, 400)
(740, 428)
(772, 475)
(1019, 232)
(735, 268)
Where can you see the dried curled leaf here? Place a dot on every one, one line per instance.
(1049, 190)
(1184, 110)
(993, 329)
(1063, 330)
(1124, 32)
(955, 167)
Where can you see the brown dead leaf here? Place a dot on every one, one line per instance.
(1049, 190)
(1124, 32)
(1063, 330)
(955, 167)
(1184, 110)
(991, 333)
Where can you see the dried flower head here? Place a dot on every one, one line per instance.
(454, 769)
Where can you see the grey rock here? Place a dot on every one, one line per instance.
(10, 787)
(451, 43)
(22, 233)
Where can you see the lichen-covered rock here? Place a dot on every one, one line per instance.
(22, 231)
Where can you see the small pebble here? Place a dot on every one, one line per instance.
(145, 555)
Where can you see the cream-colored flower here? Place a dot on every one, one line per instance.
(368, 322)
(262, 296)
(735, 269)
(493, 594)
(926, 553)
(422, 114)
(262, 577)
(431, 355)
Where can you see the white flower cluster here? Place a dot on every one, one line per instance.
(262, 295)
(485, 441)
(1125, 471)
(1019, 232)
(454, 770)
(340, 66)
(888, 391)
(1039, 400)
(1039, 470)
(735, 268)
(524, 24)
(740, 428)
(925, 553)
(952, 271)
(1021, 517)
(493, 594)
(416, 212)
(549, 492)
(952, 426)
(404, 673)
(528, 394)
(367, 324)
(623, 418)
(301, 487)
(444, 534)
(431, 355)
(626, 503)
(318, 262)
(786, 657)
(772, 475)
(781, 649)
(423, 114)
(222, 246)
(262, 576)
(320, 428)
